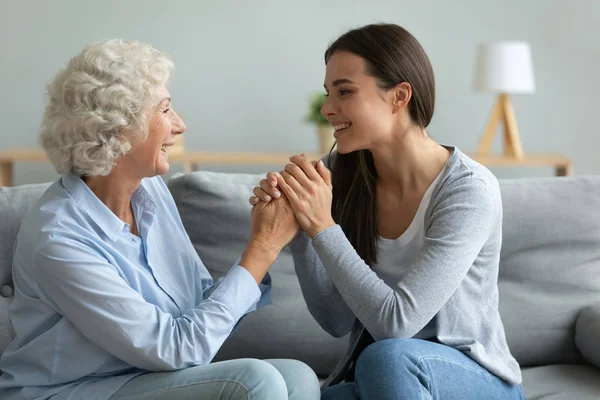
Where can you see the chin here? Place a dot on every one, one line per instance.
(345, 148)
(342, 150)
(162, 169)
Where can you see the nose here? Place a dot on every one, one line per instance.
(327, 110)
(177, 125)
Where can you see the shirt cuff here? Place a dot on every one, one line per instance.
(264, 285)
(238, 291)
(265, 288)
(328, 234)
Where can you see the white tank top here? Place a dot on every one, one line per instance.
(395, 255)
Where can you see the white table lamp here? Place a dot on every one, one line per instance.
(504, 68)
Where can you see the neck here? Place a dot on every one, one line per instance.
(115, 191)
(409, 162)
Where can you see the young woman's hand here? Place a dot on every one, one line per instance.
(307, 186)
(266, 190)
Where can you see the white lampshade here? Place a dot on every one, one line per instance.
(504, 67)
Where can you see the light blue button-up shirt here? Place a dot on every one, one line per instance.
(96, 305)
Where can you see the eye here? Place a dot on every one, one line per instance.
(343, 92)
(166, 111)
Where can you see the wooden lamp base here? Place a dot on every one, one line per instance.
(503, 110)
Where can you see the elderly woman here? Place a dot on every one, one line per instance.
(111, 299)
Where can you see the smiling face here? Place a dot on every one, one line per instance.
(150, 157)
(361, 113)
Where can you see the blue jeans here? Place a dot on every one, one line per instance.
(414, 369)
(243, 379)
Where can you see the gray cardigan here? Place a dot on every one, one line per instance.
(450, 293)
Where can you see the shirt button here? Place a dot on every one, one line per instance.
(6, 291)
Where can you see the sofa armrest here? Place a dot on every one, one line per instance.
(587, 334)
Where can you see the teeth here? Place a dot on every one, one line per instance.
(341, 126)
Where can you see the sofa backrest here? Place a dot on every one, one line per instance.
(14, 203)
(549, 265)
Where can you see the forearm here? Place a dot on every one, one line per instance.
(88, 292)
(375, 304)
(322, 298)
(195, 337)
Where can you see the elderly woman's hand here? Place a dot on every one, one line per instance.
(273, 227)
(274, 223)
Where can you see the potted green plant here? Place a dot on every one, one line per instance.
(324, 128)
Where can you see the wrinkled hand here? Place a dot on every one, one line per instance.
(274, 224)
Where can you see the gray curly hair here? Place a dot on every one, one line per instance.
(97, 105)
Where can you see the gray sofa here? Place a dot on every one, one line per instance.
(549, 277)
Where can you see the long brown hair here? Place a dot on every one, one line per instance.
(392, 56)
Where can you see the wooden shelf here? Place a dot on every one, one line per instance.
(562, 165)
(191, 160)
(235, 158)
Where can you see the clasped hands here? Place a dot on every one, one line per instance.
(297, 197)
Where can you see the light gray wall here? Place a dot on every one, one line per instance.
(244, 69)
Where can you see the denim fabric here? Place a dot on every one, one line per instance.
(413, 369)
(228, 380)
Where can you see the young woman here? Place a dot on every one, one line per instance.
(401, 241)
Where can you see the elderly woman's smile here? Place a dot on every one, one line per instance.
(148, 157)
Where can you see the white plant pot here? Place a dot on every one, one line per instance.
(326, 139)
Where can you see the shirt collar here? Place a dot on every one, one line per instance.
(142, 198)
(106, 220)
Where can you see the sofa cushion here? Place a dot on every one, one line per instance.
(216, 214)
(549, 265)
(587, 334)
(14, 203)
(562, 382)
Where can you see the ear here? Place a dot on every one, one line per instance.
(402, 93)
